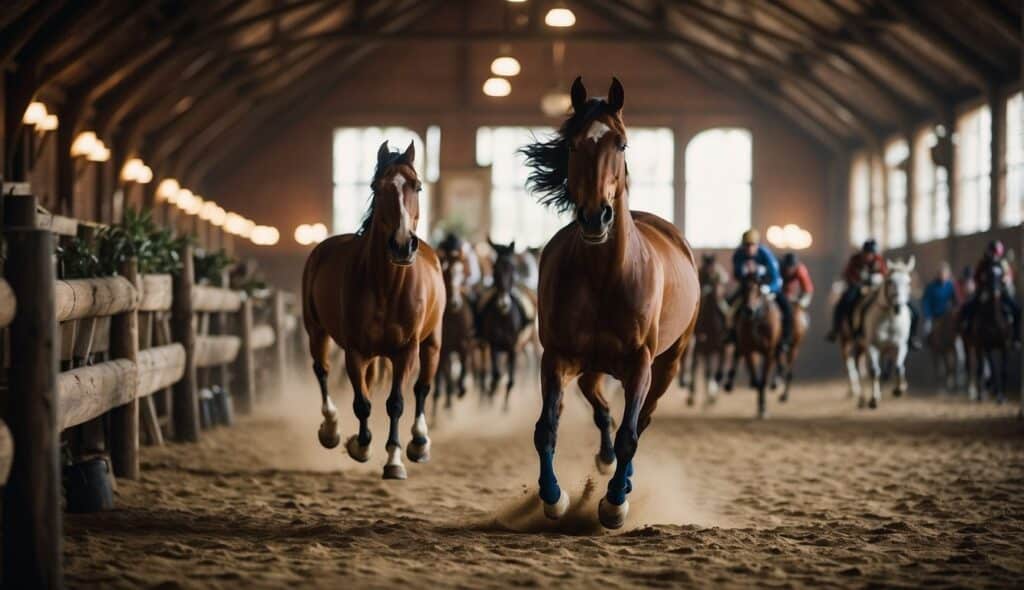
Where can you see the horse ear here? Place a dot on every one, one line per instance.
(616, 95)
(512, 246)
(578, 94)
(492, 244)
(911, 263)
(383, 152)
(409, 156)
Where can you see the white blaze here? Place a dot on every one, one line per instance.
(405, 222)
(597, 131)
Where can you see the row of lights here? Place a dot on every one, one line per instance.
(309, 234)
(37, 116)
(789, 237)
(505, 66)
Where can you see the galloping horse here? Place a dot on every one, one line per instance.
(618, 294)
(457, 329)
(946, 348)
(758, 324)
(885, 330)
(784, 361)
(378, 293)
(710, 335)
(502, 319)
(990, 331)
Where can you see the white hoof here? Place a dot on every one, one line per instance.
(329, 434)
(394, 468)
(356, 451)
(559, 508)
(612, 516)
(418, 453)
(602, 467)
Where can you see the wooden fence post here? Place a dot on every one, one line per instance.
(32, 519)
(280, 343)
(186, 391)
(245, 363)
(124, 420)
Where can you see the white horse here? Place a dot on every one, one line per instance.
(885, 331)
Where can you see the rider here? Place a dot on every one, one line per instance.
(796, 281)
(751, 250)
(965, 284)
(860, 269)
(993, 271)
(939, 296)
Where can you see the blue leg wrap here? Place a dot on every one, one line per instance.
(549, 490)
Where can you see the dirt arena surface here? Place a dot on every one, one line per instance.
(922, 492)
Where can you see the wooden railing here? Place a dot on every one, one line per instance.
(167, 336)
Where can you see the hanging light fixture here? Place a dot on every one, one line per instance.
(100, 152)
(84, 144)
(168, 189)
(49, 123)
(132, 169)
(34, 114)
(505, 65)
(560, 17)
(497, 87)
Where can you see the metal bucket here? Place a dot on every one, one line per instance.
(87, 486)
(223, 409)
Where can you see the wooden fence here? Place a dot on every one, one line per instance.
(97, 358)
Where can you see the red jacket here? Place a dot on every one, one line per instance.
(863, 263)
(797, 282)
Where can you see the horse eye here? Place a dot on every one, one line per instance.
(622, 147)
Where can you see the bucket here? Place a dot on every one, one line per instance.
(224, 413)
(87, 486)
(206, 410)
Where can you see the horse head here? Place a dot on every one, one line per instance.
(896, 288)
(504, 274)
(583, 169)
(453, 269)
(752, 288)
(395, 209)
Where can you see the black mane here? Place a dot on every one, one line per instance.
(383, 163)
(548, 181)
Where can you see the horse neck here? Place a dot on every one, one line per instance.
(618, 257)
(380, 270)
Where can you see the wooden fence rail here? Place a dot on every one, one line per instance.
(154, 345)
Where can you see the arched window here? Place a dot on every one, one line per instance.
(1013, 206)
(718, 193)
(860, 200)
(897, 157)
(355, 157)
(931, 191)
(974, 166)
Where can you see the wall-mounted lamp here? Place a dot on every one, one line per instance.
(135, 170)
(308, 234)
(789, 237)
(167, 190)
(560, 17)
(264, 235)
(87, 145)
(505, 65)
(497, 87)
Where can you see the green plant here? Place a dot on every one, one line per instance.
(155, 248)
(78, 260)
(210, 266)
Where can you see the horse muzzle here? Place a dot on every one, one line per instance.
(596, 226)
(403, 254)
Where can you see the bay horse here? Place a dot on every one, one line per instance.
(885, 329)
(784, 361)
(710, 334)
(758, 324)
(457, 332)
(378, 293)
(502, 319)
(618, 294)
(989, 334)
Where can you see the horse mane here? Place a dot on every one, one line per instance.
(392, 158)
(549, 159)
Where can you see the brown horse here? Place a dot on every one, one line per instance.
(502, 319)
(378, 293)
(457, 329)
(758, 325)
(618, 294)
(987, 338)
(710, 335)
(784, 361)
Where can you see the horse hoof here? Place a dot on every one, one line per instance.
(728, 387)
(861, 404)
(873, 404)
(602, 467)
(690, 401)
(396, 471)
(417, 452)
(329, 435)
(762, 414)
(612, 516)
(357, 451)
(783, 398)
(559, 508)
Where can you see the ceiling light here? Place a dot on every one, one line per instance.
(84, 144)
(168, 190)
(505, 66)
(791, 236)
(264, 235)
(555, 103)
(234, 223)
(497, 87)
(303, 234)
(218, 216)
(99, 153)
(34, 114)
(49, 123)
(183, 198)
(208, 210)
(560, 17)
(132, 169)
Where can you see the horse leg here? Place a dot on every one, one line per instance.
(612, 509)
(329, 433)
(401, 365)
(511, 358)
(590, 386)
(767, 365)
(874, 364)
(731, 375)
(784, 369)
(852, 374)
(358, 445)
(901, 370)
(695, 360)
(545, 434)
(495, 374)
(974, 372)
(716, 379)
(419, 447)
(463, 369)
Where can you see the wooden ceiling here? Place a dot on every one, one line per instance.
(187, 83)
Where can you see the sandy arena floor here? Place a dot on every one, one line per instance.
(922, 492)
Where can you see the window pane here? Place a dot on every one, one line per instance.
(896, 159)
(718, 191)
(974, 164)
(1013, 208)
(860, 200)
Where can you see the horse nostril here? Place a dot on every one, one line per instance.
(607, 214)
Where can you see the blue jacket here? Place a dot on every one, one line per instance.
(939, 297)
(763, 257)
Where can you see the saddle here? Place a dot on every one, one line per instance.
(856, 318)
